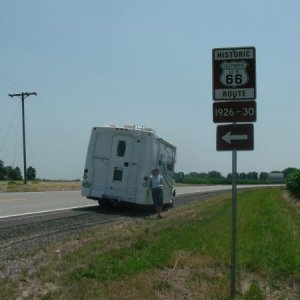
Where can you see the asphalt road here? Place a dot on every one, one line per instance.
(18, 204)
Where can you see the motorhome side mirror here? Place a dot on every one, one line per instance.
(145, 178)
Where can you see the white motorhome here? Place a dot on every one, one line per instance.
(119, 163)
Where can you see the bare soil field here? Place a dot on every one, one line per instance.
(39, 186)
(45, 185)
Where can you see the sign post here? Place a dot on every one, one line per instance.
(234, 90)
(233, 225)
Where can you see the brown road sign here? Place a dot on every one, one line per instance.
(235, 137)
(234, 75)
(234, 111)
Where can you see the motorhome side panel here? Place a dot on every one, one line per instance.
(166, 157)
(145, 162)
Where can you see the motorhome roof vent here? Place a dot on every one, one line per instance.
(148, 129)
(129, 126)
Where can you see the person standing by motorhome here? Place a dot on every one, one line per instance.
(156, 184)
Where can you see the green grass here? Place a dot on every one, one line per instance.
(268, 235)
(268, 242)
(144, 255)
(134, 260)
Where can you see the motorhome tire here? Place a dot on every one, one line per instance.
(108, 203)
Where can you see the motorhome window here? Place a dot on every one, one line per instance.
(121, 148)
(118, 174)
(160, 160)
(170, 164)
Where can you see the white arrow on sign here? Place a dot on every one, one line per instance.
(228, 137)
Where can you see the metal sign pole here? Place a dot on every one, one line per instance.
(233, 224)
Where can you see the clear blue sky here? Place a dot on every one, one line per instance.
(99, 62)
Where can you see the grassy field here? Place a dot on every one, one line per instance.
(186, 255)
(39, 186)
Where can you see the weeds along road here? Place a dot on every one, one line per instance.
(21, 233)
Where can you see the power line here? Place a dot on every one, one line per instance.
(22, 96)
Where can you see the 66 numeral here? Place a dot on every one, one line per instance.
(234, 79)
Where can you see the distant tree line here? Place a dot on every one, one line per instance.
(215, 177)
(11, 173)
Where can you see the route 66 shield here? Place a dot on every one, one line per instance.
(234, 73)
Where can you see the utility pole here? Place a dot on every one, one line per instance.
(22, 96)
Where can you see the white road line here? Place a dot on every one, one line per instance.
(46, 211)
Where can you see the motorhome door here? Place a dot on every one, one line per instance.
(120, 162)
